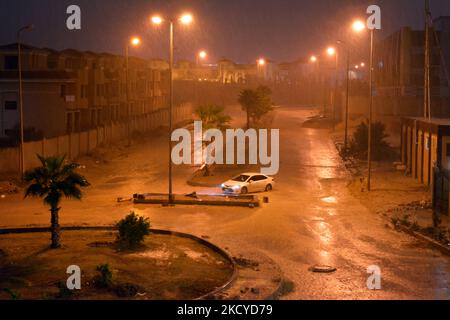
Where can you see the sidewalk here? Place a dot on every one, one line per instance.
(400, 199)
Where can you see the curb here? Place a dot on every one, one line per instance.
(277, 293)
(436, 245)
(201, 241)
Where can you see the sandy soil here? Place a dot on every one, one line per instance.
(168, 267)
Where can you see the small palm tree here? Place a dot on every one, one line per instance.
(52, 181)
(213, 116)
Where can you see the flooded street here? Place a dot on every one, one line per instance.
(311, 218)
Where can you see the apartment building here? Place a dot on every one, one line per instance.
(70, 91)
(400, 59)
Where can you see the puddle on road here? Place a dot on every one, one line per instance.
(330, 200)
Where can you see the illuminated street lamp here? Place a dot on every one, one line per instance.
(358, 27)
(315, 61)
(134, 42)
(362, 64)
(19, 54)
(185, 19)
(332, 51)
(261, 62)
(202, 55)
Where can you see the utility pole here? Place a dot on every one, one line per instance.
(336, 90)
(127, 91)
(347, 100)
(369, 151)
(427, 68)
(171, 58)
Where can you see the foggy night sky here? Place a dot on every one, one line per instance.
(241, 30)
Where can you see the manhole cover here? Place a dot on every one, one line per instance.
(323, 269)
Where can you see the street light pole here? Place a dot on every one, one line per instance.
(369, 149)
(171, 45)
(157, 20)
(127, 91)
(336, 84)
(135, 41)
(347, 100)
(19, 58)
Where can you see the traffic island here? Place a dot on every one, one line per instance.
(168, 266)
(228, 200)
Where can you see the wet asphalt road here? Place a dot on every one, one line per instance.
(311, 219)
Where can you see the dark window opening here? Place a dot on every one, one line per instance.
(10, 105)
(448, 149)
(63, 91)
(11, 63)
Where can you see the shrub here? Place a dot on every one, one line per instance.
(380, 148)
(13, 294)
(63, 291)
(104, 279)
(132, 230)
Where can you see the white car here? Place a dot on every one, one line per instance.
(248, 182)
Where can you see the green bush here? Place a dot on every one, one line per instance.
(380, 148)
(132, 230)
(104, 279)
(64, 292)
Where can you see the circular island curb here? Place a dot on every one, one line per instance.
(199, 240)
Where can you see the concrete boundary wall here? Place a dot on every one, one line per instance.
(81, 143)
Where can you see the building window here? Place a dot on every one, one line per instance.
(11, 63)
(63, 91)
(10, 105)
(448, 150)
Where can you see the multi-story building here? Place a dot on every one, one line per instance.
(70, 91)
(400, 59)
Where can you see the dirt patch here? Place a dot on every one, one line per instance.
(167, 267)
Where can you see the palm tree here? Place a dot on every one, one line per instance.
(52, 181)
(248, 99)
(256, 103)
(213, 116)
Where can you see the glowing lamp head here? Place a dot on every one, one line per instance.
(331, 51)
(313, 59)
(186, 19)
(135, 41)
(356, 67)
(363, 64)
(261, 62)
(202, 54)
(157, 20)
(358, 26)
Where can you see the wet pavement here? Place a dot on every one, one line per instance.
(311, 219)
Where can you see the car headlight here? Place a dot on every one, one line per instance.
(222, 185)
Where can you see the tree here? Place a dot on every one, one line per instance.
(213, 116)
(359, 144)
(52, 181)
(256, 103)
